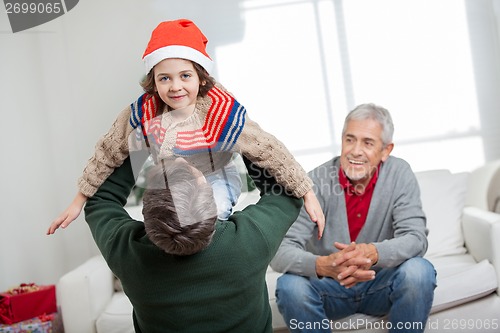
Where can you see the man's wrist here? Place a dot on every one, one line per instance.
(373, 254)
(320, 262)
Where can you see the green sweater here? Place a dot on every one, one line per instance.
(221, 289)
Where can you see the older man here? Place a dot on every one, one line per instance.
(369, 259)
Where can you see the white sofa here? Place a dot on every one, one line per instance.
(464, 246)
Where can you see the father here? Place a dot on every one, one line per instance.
(370, 257)
(182, 269)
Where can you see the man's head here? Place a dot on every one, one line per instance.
(366, 141)
(179, 208)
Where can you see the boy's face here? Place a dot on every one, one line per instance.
(176, 82)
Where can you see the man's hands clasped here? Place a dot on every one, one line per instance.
(350, 265)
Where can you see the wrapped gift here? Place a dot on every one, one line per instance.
(27, 301)
(40, 324)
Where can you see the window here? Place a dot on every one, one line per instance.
(301, 65)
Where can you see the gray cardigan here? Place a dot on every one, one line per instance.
(395, 223)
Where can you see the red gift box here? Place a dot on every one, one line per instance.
(26, 302)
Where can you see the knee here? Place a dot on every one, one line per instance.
(292, 289)
(418, 273)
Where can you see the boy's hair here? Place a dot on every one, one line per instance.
(374, 112)
(208, 82)
(179, 212)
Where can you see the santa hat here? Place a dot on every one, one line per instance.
(177, 39)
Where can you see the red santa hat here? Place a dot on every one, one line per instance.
(177, 39)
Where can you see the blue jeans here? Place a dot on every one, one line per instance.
(404, 293)
(226, 185)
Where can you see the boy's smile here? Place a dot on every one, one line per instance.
(177, 82)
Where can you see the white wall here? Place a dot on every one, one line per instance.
(63, 83)
(62, 86)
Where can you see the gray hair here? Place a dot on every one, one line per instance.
(374, 112)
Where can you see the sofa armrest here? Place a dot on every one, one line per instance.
(83, 293)
(482, 236)
(483, 189)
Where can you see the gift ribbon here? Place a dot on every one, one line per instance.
(46, 317)
(5, 316)
(23, 289)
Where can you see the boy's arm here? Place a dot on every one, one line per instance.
(266, 151)
(69, 214)
(110, 152)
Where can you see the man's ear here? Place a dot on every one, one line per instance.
(386, 151)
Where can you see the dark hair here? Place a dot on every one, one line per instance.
(180, 217)
(206, 83)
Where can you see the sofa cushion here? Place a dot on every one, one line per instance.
(117, 316)
(443, 199)
(460, 279)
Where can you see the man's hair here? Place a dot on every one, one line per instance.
(374, 112)
(179, 212)
(206, 83)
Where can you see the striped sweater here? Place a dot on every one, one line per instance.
(218, 127)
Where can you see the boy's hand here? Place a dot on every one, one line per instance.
(313, 208)
(69, 215)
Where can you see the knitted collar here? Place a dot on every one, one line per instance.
(223, 121)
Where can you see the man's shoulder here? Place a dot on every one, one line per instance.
(394, 163)
(397, 171)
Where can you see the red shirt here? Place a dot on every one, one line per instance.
(357, 204)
